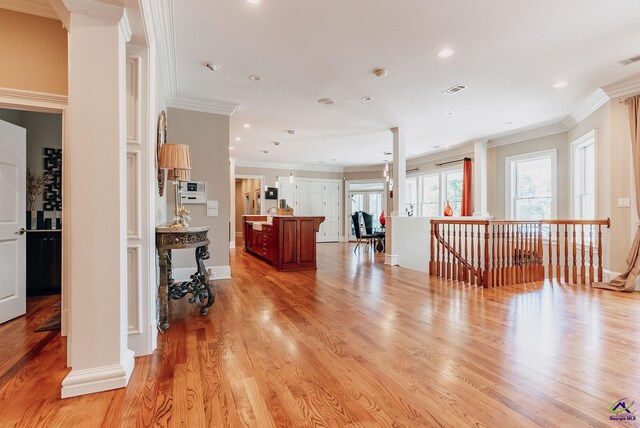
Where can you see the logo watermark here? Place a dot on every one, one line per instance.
(622, 410)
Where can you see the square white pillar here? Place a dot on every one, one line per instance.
(95, 202)
(480, 204)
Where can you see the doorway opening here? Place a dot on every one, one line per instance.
(248, 196)
(37, 279)
(368, 197)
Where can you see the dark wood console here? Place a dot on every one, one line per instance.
(287, 242)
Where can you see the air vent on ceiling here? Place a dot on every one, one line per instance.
(454, 89)
(630, 60)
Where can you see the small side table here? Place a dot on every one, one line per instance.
(202, 294)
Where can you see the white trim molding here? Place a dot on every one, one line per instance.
(203, 105)
(624, 87)
(47, 102)
(29, 7)
(81, 382)
(102, 11)
(217, 273)
(295, 167)
(593, 102)
(391, 260)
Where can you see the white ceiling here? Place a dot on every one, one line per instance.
(508, 53)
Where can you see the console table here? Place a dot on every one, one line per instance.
(202, 294)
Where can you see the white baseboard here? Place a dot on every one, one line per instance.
(217, 273)
(89, 381)
(343, 239)
(609, 275)
(232, 244)
(391, 260)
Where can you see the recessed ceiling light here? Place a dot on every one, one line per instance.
(559, 85)
(333, 160)
(230, 148)
(238, 138)
(326, 101)
(451, 113)
(265, 151)
(445, 53)
(255, 78)
(454, 89)
(290, 131)
(246, 126)
(212, 67)
(253, 1)
(366, 98)
(436, 147)
(508, 123)
(380, 72)
(276, 143)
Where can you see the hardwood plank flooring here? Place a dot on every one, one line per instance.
(353, 344)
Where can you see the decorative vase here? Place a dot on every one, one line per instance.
(34, 220)
(448, 212)
(383, 220)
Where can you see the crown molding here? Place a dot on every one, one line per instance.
(592, 103)
(102, 11)
(30, 96)
(529, 134)
(203, 105)
(462, 149)
(363, 168)
(162, 14)
(29, 7)
(288, 166)
(624, 87)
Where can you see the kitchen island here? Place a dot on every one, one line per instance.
(288, 243)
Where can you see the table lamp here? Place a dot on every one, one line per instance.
(177, 159)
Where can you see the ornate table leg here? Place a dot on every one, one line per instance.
(163, 291)
(198, 286)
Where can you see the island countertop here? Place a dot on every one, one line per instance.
(287, 242)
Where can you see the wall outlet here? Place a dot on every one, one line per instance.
(212, 212)
(623, 202)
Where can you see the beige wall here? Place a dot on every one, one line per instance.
(207, 136)
(34, 53)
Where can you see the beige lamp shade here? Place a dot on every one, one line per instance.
(179, 175)
(175, 156)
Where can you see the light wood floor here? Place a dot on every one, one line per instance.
(355, 343)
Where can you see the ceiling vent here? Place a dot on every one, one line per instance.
(454, 89)
(630, 60)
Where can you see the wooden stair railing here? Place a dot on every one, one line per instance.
(505, 252)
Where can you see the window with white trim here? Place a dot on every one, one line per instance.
(430, 195)
(584, 176)
(531, 184)
(411, 196)
(453, 187)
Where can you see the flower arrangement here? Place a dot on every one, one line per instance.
(35, 186)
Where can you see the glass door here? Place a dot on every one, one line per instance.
(367, 197)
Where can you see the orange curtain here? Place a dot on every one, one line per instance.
(465, 210)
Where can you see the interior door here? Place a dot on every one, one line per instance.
(303, 199)
(13, 155)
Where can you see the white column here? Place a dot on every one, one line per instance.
(95, 202)
(479, 197)
(399, 171)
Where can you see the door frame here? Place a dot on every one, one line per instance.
(16, 99)
(347, 202)
(232, 218)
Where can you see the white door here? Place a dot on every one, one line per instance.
(287, 192)
(13, 155)
(303, 199)
(331, 212)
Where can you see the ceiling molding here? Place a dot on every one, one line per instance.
(364, 168)
(29, 7)
(624, 87)
(529, 134)
(18, 94)
(592, 103)
(458, 150)
(288, 166)
(203, 105)
(96, 9)
(162, 13)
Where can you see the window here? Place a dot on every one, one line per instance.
(411, 196)
(430, 195)
(453, 186)
(584, 176)
(531, 186)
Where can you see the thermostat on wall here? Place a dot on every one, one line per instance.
(193, 192)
